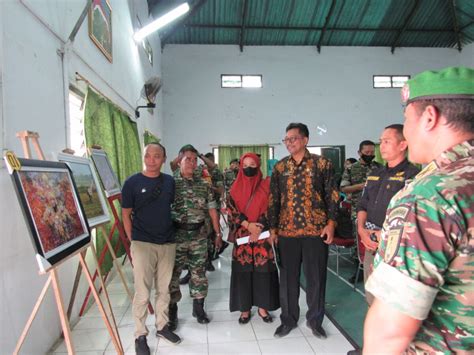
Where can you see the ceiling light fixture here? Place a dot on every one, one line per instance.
(161, 22)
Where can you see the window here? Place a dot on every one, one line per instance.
(241, 81)
(389, 81)
(76, 123)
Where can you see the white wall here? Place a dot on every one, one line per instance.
(333, 88)
(31, 34)
(467, 56)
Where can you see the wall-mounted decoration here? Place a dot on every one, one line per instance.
(52, 208)
(100, 26)
(88, 187)
(106, 173)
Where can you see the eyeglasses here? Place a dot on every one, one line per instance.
(290, 139)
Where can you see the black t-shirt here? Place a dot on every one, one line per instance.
(381, 185)
(151, 217)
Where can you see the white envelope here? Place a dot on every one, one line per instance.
(245, 240)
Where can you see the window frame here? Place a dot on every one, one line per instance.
(241, 81)
(391, 80)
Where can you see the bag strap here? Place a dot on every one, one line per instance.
(153, 196)
(251, 198)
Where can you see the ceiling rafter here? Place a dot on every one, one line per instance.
(242, 25)
(455, 25)
(326, 23)
(405, 25)
(311, 28)
(181, 22)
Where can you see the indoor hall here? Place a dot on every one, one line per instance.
(227, 76)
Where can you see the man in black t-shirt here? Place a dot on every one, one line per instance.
(381, 185)
(146, 213)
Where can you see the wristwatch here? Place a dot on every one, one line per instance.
(218, 234)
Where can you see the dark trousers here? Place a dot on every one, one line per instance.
(312, 252)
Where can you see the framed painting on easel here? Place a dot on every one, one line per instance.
(106, 173)
(52, 208)
(88, 187)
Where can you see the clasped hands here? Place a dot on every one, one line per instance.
(255, 230)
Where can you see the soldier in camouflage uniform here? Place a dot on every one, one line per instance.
(424, 271)
(353, 182)
(194, 200)
(230, 174)
(217, 185)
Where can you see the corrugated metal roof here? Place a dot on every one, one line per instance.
(390, 23)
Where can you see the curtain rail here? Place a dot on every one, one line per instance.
(243, 145)
(80, 77)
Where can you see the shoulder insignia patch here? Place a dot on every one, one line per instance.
(396, 221)
(375, 178)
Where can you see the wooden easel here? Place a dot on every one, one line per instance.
(53, 278)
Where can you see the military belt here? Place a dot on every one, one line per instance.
(188, 226)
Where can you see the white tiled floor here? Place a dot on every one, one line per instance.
(224, 335)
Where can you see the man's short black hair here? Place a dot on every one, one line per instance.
(301, 127)
(364, 143)
(352, 160)
(399, 128)
(159, 145)
(234, 161)
(209, 156)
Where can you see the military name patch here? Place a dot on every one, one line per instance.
(396, 222)
(375, 178)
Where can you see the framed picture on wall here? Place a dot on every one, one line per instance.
(88, 187)
(53, 211)
(100, 26)
(106, 173)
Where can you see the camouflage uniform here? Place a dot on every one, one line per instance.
(229, 178)
(425, 264)
(191, 205)
(356, 174)
(217, 180)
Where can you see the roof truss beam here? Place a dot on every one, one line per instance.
(405, 25)
(311, 28)
(242, 25)
(326, 23)
(456, 25)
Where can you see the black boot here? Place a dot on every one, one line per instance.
(173, 317)
(198, 311)
(185, 279)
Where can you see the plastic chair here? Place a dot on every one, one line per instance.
(339, 245)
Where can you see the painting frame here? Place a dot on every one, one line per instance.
(106, 174)
(100, 27)
(89, 184)
(52, 209)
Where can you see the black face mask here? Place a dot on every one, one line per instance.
(249, 171)
(367, 158)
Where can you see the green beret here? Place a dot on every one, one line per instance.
(448, 83)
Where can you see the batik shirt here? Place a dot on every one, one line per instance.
(193, 199)
(303, 197)
(425, 264)
(357, 174)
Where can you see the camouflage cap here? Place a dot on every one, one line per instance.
(448, 83)
(188, 147)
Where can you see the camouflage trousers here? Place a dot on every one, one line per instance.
(191, 251)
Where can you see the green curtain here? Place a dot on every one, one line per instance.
(149, 137)
(108, 126)
(229, 152)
